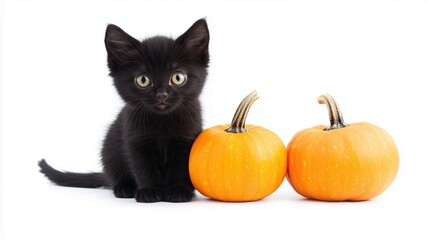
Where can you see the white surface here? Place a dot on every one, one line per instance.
(57, 101)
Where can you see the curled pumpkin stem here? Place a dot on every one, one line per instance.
(335, 116)
(238, 123)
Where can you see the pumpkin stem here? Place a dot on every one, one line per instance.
(238, 124)
(335, 115)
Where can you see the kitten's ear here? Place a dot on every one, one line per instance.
(196, 40)
(120, 46)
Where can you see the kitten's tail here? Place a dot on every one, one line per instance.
(70, 179)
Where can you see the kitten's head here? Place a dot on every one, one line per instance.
(160, 73)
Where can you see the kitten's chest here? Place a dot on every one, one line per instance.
(161, 131)
(157, 143)
(164, 131)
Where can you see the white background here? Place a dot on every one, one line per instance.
(57, 102)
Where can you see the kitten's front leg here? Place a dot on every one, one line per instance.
(144, 160)
(177, 183)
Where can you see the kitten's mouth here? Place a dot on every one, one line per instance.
(162, 106)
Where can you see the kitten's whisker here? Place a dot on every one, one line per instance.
(139, 112)
(184, 113)
(139, 118)
(133, 101)
(128, 120)
(132, 118)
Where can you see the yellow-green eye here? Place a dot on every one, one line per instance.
(178, 79)
(142, 81)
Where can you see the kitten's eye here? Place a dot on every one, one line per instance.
(178, 79)
(142, 81)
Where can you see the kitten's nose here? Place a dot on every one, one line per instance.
(161, 96)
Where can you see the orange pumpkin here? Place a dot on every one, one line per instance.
(235, 162)
(342, 162)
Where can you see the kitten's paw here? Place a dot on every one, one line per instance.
(148, 195)
(178, 194)
(124, 191)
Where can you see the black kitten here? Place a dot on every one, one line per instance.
(146, 150)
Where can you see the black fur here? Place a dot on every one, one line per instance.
(69, 179)
(146, 150)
